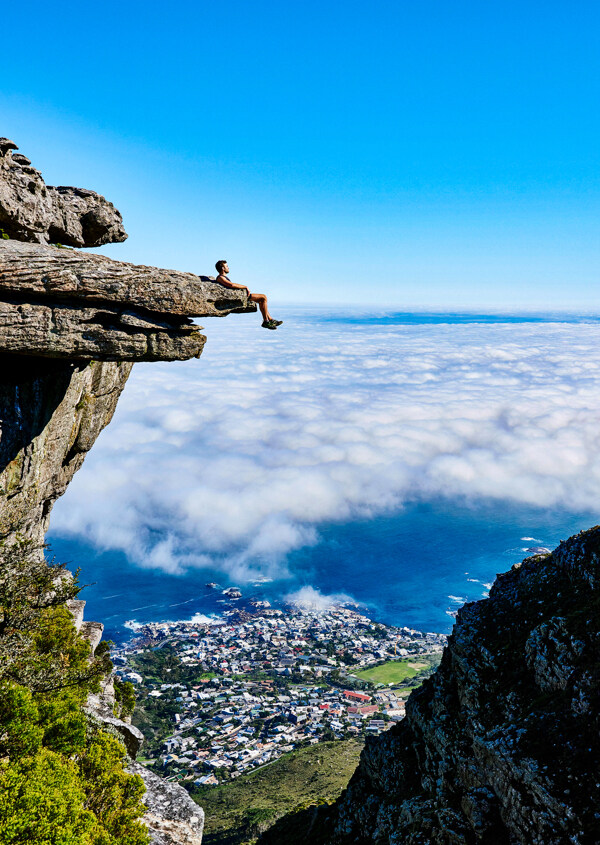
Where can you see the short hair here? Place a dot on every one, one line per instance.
(219, 265)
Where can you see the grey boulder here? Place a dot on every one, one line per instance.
(172, 817)
(32, 211)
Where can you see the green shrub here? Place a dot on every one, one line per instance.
(20, 731)
(125, 697)
(113, 795)
(62, 779)
(42, 802)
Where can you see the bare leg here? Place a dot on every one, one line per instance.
(261, 301)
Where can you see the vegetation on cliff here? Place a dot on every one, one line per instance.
(62, 777)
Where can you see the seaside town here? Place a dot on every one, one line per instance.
(258, 682)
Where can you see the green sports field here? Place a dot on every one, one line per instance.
(392, 672)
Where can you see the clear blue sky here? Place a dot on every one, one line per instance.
(404, 153)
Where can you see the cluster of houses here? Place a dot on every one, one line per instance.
(223, 731)
(267, 682)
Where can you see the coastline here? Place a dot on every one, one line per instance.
(412, 569)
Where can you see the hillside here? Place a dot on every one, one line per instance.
(502, 744)
(236, 812)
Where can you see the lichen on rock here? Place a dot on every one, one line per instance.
(172, 818)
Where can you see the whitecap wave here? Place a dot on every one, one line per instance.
(203, 619)
(308, 598)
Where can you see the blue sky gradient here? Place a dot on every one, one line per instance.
(408, 154)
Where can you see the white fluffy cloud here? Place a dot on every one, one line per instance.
(236, 459)
(309, 598)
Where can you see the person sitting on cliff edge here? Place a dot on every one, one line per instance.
(222, 268)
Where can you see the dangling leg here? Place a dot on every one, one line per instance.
(261, 301)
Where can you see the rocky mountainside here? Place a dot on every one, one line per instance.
(71, 327)
(502, 745)
(32, 211)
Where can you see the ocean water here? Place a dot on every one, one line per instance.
(414, 568)
(395, 460)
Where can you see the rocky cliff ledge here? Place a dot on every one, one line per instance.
(71, 327)
(502, 745)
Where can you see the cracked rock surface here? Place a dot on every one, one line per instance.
(172, 817)
(57, 330)
(51, 413)
(32, 211)
(61, 303)
(68, 275)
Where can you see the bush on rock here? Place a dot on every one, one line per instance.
(62, 779)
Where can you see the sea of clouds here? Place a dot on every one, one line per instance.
(235, 460)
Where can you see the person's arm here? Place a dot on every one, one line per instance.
(223, 280)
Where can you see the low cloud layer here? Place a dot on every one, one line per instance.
(237, 459)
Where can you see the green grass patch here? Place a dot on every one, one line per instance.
(394, 671)
(238, 811)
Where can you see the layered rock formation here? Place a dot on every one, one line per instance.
(32, 211)
(60, 303)
(71, 327)
(502, 745)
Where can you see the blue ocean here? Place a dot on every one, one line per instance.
(471, 442)
(413, 569)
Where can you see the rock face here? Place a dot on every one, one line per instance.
(60, 303)
(502, 745)
(51, 412)
(172, 818)
(71, 327)
(32, 211)
(50, 274)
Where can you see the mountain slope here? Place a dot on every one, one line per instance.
(501, 746)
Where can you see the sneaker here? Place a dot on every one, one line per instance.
(277, 322)
(269, 324)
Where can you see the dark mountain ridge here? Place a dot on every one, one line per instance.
(502, 744)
